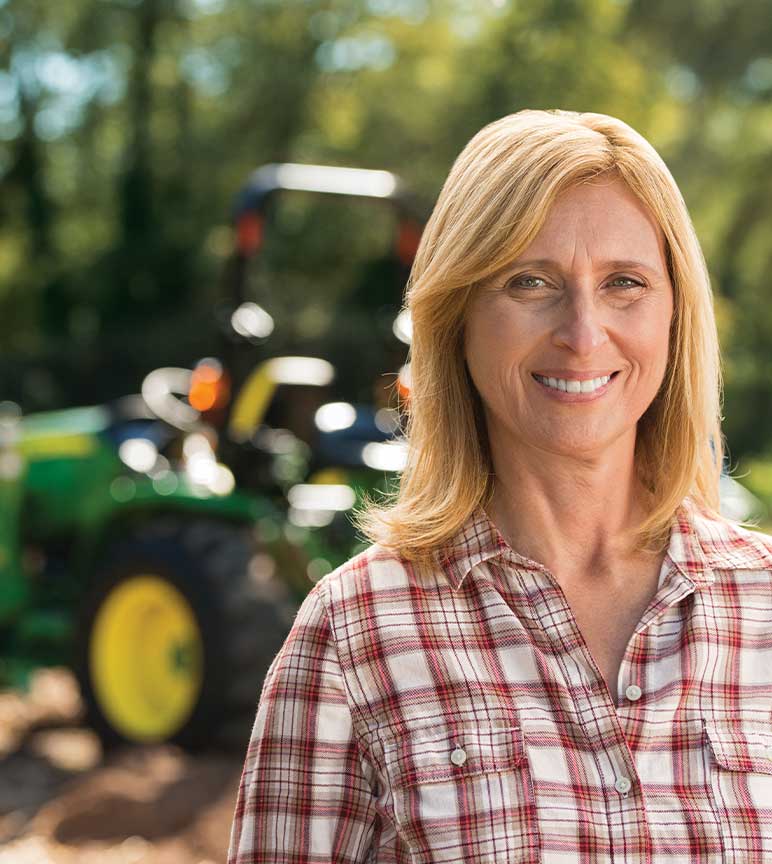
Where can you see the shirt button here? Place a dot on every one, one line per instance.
(633, 692)
(458, 756)
(623, 785)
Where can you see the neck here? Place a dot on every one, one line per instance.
(575, 515)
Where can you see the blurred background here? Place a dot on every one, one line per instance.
(228, 331)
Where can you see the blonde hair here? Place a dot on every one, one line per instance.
(491, 206)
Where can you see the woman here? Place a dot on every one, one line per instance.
(555, 650)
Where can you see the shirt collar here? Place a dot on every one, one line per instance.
(699, 544)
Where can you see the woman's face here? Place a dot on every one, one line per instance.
(568, 346)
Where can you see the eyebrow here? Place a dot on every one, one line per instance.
(615, 263)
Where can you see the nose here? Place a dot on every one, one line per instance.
(581, 328)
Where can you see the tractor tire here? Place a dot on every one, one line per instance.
(176, 634)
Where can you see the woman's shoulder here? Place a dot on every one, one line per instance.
(376, 569)
(730, 545)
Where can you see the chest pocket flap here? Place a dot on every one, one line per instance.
(741, 745)
(436, 755)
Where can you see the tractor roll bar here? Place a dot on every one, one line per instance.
(250, 202)
(319, 178)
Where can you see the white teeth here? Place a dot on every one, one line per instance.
(574, 386)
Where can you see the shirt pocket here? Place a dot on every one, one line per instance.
(741, 782)
(463, 794)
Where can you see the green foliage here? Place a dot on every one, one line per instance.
(126, 127)
(756, 475)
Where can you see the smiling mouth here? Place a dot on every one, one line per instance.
(573, 385)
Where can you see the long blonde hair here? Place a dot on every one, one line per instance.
(491, 206)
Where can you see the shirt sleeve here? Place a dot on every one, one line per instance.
(304, 796)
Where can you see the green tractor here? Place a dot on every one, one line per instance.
(160, 545)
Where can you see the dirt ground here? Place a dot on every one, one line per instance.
(63, 801)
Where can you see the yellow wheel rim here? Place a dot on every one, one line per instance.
(146, 658)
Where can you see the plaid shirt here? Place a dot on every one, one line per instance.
(458, 716)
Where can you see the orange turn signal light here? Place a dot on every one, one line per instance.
(209, 386)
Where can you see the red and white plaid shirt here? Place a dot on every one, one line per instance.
(459, 717)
